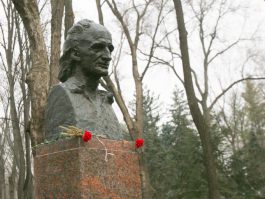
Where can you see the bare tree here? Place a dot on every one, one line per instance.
(29, 65)
(233, 123)
(11, 72)
(16, 66)
(134, 32)
(5, 148)
(201, 120)
(199, 107)
(25, 63)
(3, 157)
(38, 77)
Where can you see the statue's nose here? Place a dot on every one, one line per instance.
(106, 55)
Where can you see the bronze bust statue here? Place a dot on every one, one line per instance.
(77, 101)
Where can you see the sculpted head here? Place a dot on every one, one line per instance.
(88, 46)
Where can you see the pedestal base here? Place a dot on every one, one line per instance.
(74, 169)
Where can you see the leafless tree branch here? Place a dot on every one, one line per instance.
(224, 50)
(196, 81)
(152, 49)
(230, 86)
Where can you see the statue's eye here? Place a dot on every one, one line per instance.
(111, 47)
(101, 46)
(98, 46)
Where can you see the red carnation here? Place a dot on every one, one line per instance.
(139, 143)
(87, 136)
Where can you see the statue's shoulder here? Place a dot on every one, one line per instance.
(72, 85)
(59, 111)
(57, 95)
(64, 87)
(56, 89)
(59, 106)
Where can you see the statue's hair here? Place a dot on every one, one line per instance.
(72, 40)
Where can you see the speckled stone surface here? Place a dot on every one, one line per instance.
(73, 169)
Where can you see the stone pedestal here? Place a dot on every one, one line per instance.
(73, 169)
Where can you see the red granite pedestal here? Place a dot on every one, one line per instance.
(72, 169)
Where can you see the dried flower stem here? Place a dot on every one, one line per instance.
(72, 131)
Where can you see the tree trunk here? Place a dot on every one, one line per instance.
(118, 97)
(201, 121)
(69, 16)
(12, 181)
(18, 146)
(135, 125)
(100, 14)
(28, 183)
(57, 8)
(125, 112)
(147, 189)
(2, 174)
(38, 77)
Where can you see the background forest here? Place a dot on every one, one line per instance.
(187, 76)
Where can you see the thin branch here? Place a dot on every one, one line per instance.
(177, 75)
(139, 18)
(172, 59)
(230, 86)
(126, 11)
(43, 6)
(224, 50)
(3, 37)
(135, 8)
(176, 55)
(160, 60)
(213, 35)
(201, 34)
(4, 8)
(166, 35)
(115, 65)
(196, 81)
(116, 12)
(6, 118)
(152, 49)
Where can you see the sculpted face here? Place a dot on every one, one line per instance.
(94, 50)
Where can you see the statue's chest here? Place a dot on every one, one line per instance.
(89, 107)
(94, 113)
